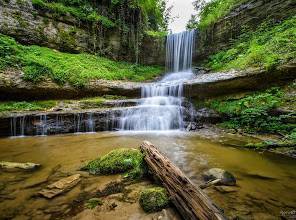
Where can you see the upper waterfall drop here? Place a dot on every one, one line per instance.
(179, 49)
(161, 103)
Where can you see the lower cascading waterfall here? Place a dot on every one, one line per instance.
(160, 107)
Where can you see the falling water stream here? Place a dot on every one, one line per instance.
(160, 107)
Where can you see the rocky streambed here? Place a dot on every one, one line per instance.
(261, 179)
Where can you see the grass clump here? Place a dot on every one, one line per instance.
(271, 45)
(27, 106)
(39, 63)
(154, 199)
(124, 160)
(93, 202)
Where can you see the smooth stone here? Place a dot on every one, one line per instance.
(60, 186)
(220, 176)
(25, 166)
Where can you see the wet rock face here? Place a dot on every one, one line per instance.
(250, 14)
(31, 26)
(205, 115)
(59, 122)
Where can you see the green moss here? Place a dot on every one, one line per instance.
(271, 45)
(93, 202)
(77, 69)
(67, 40)
(154, 199)
(26, 106)
(123, 160)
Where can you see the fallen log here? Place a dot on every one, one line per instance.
(190, 201)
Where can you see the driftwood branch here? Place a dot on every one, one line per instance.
(190, 201)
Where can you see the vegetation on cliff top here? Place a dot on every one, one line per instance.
(210, 12)
(272, 44)
(39, 63)
(152, 11)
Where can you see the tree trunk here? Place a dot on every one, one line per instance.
(190, 201)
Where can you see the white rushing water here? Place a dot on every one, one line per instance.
(160, 107)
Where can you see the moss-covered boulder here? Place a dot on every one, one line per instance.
(123, 160)
(154, 199)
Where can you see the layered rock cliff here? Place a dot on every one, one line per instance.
(31, 24)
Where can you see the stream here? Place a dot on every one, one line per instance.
(266, 182)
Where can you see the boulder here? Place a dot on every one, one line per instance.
(60, 186)
(25, 166)
(193, 126)
(217, 176)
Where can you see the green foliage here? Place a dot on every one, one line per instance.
(157, 34)
(77, 69)
(26, 106)
(93, 202)
(270, 45)
(82, 10)
(251, 113)
(35, 72)
(102, 19)
(216, 9)
(123, 160)
(154, 199)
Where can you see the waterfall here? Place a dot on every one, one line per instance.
(160, 107)
(179, 48)
(18, 122)
(90, 123)
(43, 125)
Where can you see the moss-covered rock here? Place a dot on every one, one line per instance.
(93, 202)
(154, 199)
(124, 160)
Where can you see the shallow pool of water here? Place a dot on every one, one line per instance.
(266, 182)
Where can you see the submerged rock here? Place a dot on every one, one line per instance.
(154, 199)
(217, 176)
(25, 166)
(225, 189)
(60, 186)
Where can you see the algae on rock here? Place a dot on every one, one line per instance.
(154, 199)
